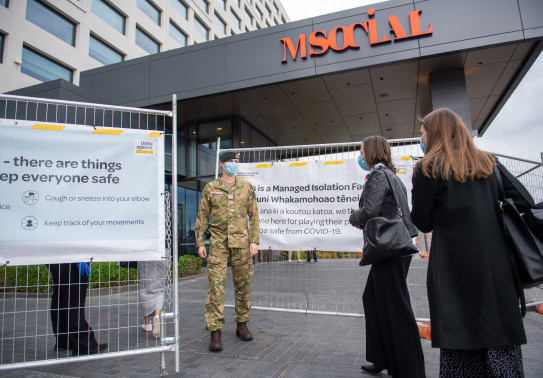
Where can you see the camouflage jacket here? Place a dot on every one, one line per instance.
(229, 212)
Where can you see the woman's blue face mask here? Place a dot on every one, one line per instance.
(362, 163)
(231, 168)
(422, 145)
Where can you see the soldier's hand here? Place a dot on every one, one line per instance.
(202, 252)
(253, 249)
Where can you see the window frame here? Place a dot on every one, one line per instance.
(44, 56)
(100, 40)
(154, 7)
(54, 12)
(114, 11)
(248, 14)
(223, 23)
(174, 25)
(148, 35)
(198, 20)
(206, 8)
(236, 20)
(2, 44)
(184, 16)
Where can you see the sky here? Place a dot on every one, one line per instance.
(516, 131)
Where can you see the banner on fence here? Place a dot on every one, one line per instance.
(306, 205)
(75, 193)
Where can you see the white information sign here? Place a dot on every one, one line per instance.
(75, 193)
(306, 205)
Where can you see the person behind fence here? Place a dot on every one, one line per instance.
(151, 290)
(309, 253)
(234, 234)
(70, 282)
(474, 305)
(392, 336)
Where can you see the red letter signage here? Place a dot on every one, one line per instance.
(323, 42)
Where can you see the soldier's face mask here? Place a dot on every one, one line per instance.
(231, 168)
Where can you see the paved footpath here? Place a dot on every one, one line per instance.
(285, 345)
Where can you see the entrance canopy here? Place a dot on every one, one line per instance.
(346, 75)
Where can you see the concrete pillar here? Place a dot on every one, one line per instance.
(448, 90)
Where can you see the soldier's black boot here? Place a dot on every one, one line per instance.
(243, 332)
(215, 345)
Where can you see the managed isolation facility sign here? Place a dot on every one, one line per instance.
(307, 205)
(75, 193)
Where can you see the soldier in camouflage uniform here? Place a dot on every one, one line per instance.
(234, 233)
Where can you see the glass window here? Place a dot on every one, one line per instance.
(180, 7)
(4, 3)
(2, 38)
(150, 10)
(43, 68)
(110, 15)
(201, 28)
(145, 42)
(102, 52)
(248, 17)
(50, 20)
(235, 19)
(220, 23)
(260, 16)
(178, 35)
(202, 4)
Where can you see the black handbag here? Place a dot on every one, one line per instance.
(386, 239)
(526, 248)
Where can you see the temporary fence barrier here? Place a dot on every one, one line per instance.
(334, 284)
(113, 298)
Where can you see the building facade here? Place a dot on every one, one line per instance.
(333, 78)
(43, 40)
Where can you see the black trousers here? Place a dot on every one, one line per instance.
(392, 336)
(68, 309)
(309, 253)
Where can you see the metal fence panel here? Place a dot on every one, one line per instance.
(112, 304)
(334, 284)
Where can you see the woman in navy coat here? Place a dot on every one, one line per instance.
(474, 303)
(392, 336)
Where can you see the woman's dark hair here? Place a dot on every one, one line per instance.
(377, 150)
(450, 150)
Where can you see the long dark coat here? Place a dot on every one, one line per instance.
(471, 288)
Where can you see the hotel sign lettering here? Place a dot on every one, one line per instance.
(320, 42)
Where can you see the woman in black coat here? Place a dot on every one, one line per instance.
(474, 305)
(392, 336)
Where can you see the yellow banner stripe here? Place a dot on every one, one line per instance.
(108, 131)
(40, 126)
(264, 165)
(401, 172)
(154, 134)
(149, 152)
(339, 162)
(406, 158)
(297, 164)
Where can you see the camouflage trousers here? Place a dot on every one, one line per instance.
(242, 272)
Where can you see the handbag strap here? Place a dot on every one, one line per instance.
(501, 192)
(394, 192)
(501, 196)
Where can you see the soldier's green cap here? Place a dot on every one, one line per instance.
(228, 155)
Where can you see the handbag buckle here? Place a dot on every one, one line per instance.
(500, 205)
